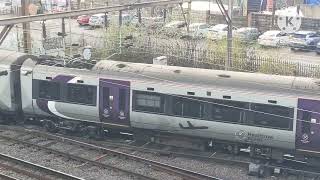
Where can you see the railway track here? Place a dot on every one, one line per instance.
(7, 177)
(48, 141)
(30, 170)
(123, 149)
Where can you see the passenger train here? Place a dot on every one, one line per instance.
(269, 114)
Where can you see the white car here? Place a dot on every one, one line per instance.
(198, 29)
(175, 24)
(246, 34)
(273, 39)
(98, 20)
(218, 31)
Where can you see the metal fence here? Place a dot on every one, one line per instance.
(5, 11)
(195, 54)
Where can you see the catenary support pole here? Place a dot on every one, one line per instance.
(26, 27)
(228, 63)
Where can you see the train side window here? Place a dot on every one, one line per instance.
(49, 90)
(272, 116)
(149, 102)
(306, 126)
(228, 111)
(187, 107)
(82, 94)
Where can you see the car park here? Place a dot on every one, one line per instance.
(304, 40)
(273, 38)
(98, 20)
(83, 20)
(247, 34)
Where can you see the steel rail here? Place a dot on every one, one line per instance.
(6, 177)
(174, 170)
(125, 7)
(187, 155)
(39, 167)
(23, 172)
(161, 166)
(78, 158)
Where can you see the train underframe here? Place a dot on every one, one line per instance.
(100, 130)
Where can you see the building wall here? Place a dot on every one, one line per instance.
(263, 22)
(310, 11)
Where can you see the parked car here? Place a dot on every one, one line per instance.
(98, 20)
(304, 40)
(273, 39)
(318, 48)
(173, 29)
(247, 34)
(175, 24)
(127, 19)
(83, 20)
(198, 30)
(218, 31)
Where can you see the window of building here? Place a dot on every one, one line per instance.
(82, 94)
(272, 116)
(150, 102)
(49, 90)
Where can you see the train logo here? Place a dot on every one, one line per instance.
(305, 138)
(241, 135)
(106, 113)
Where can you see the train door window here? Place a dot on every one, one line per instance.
(306, 126)
(49, 90)
(122, 99)
(149, 102)
(272, 116)
(106, 96)
(82, 94)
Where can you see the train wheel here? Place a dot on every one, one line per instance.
(50, 126)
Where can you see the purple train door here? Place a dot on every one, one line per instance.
(114, 101)
(308, 125)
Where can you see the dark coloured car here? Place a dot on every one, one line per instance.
(304, 40)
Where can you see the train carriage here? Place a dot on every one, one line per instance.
(10, 99)
(271, 114)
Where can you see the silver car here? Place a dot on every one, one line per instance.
(273, 39)
(247, 34)
(98, 20)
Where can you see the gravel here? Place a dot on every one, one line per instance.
(61, 164)
(221, 170)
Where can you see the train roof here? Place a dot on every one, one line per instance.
(9, 58)
(194, 78)
(209, 77)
